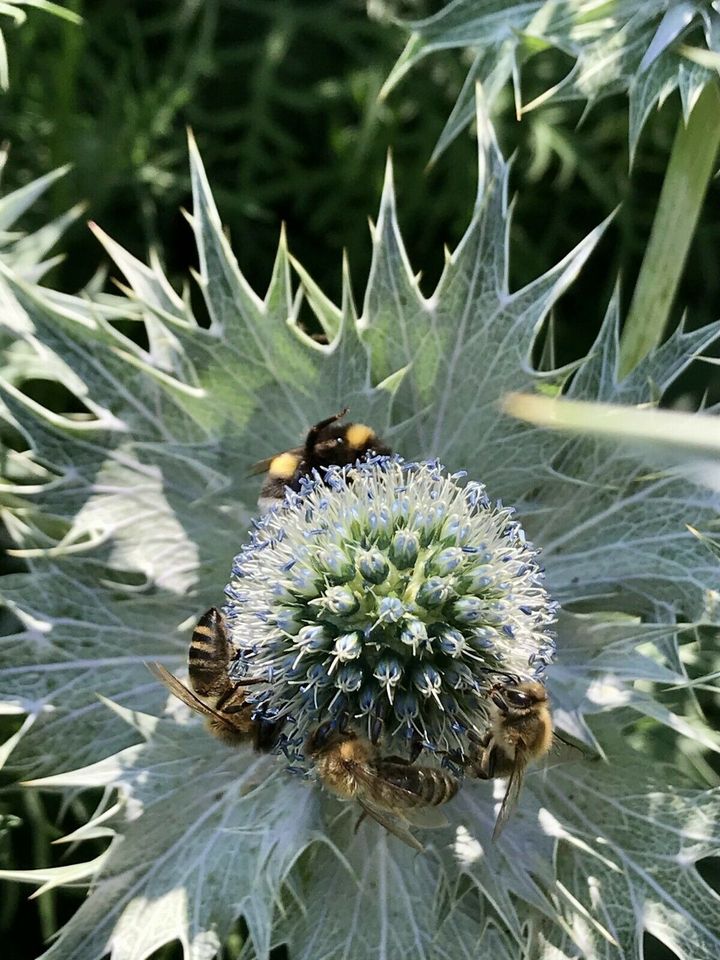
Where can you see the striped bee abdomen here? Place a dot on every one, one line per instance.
(430, 786)
(208, 657)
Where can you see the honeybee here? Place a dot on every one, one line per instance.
(389, 789)
(219, 699)
(327, 444)
(520, 731)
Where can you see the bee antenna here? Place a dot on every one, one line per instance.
(376, 730)
(319, 737)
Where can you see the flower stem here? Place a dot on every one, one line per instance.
(41, 834)
(689, 171)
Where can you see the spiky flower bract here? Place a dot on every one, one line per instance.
(647, 49)
(128, 518)
(388, 594)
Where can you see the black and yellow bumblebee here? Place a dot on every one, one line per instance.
(327, 444)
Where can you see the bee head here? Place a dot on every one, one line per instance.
(325, 737)
(338, 444)
(518, 698)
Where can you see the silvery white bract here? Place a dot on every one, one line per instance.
(22, 251)
(129, 516)
(647, 48)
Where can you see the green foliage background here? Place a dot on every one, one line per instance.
(283, 98)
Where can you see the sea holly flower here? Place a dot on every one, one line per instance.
(416, 652)
(129, 517)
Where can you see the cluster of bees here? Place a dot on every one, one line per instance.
(393, 790)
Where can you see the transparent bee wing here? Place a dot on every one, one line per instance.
(512, 792)
(565, 751)
(399, 805)
(187, 696)
(428, 817)
(393, 824)
(261, 466)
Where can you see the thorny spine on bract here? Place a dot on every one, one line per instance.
(386, 596)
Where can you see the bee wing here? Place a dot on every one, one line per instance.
(400, 806)
(392, 823)
(512, 792)
(262, 466)
(187, 696)
(428, 817)
(393, 793)
(565, 751)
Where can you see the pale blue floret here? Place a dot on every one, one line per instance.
(373, 566)
(387, 594)
(390, 610)
(414, 634)
(404, 549)
(338, 600)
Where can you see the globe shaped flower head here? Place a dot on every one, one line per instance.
(388, 597)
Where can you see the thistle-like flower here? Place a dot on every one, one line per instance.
(391, 596)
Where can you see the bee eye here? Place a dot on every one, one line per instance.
(517, 698)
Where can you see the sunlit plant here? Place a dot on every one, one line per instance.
(129, 514)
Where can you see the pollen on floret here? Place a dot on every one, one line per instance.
(387, 597)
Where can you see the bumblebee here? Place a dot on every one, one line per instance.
(328, 443)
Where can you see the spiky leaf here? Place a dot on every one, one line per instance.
(647, 50)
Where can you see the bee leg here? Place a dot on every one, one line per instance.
(415, 751)
(415, 747)
(359, 821)
(453, 761)
(476, 738)
(378, 722)
(319, 737)
(485, 769)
